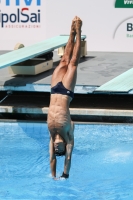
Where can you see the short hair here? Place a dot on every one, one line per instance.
(58, 153)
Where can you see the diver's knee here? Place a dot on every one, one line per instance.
(74, 61)
(65, 60)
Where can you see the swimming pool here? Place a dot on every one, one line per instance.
(102, 163)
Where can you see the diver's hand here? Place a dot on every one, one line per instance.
(62, 177)
(55, 178)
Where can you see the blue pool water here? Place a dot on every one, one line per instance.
(102, 163)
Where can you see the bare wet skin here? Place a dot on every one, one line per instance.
(59, 120)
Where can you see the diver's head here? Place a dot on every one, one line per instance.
(59, 147)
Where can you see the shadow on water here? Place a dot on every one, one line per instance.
(36, 131)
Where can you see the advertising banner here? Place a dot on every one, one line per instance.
(21, 21)
(108, 25)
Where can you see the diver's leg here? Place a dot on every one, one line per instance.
(61, 69)
(69, 79)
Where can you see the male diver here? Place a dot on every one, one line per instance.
(60, 126)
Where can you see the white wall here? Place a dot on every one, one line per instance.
(100, 20)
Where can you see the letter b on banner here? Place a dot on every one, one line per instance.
(129, 27)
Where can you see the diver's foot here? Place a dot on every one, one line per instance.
(73, 30)
(78, 24)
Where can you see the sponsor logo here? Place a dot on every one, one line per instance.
(125, 27)
(23, 16)
(129, 29)
(124, 4)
